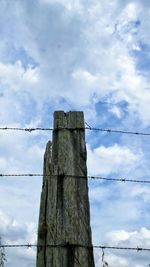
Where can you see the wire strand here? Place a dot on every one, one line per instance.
(116, 131)
(26, 129)
(77, 176)
(28, 245)
(85, 128)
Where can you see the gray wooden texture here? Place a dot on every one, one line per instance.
(64, 211)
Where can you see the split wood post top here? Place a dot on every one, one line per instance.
(64, 221)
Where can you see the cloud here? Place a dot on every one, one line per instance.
(111, 160)
(85, 76)
(141, 237)
(15, 76)
(72, 55)
(83, 54)
(14, 232)
(68, 4)
(124, 238)
(20, 154)
(113, 260)
(142, 192)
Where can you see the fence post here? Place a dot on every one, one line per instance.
(64, 220)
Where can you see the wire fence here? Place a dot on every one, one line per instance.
(124, 180)
(72, 129)
(28, 245)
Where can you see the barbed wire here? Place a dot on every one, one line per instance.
(77, 128)
(119, 179)
(28, 245)
(76, 176)
(26, 129)
(116, 131)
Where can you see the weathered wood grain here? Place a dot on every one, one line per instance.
(64, 211)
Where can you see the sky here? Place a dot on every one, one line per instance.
(79, 55)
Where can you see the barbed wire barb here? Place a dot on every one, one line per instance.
(88, 127)
(124, 180)
(116, 131)
(102, 247)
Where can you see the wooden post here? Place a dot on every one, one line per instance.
(64, 220)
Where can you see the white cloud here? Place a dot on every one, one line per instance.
(114, 260)
(19, 154)
(84, 76)
(125, 238)
(68, 4)
(15, 76)
(120, 235)
(84, 53)
(117, 111)
(141, 191)
(5, 221)
(14, 232)
(113, 159)
(81, 55)
(139, 238)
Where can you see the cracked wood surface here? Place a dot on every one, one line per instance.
(64, 211)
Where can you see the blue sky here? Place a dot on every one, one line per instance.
(75, 55)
